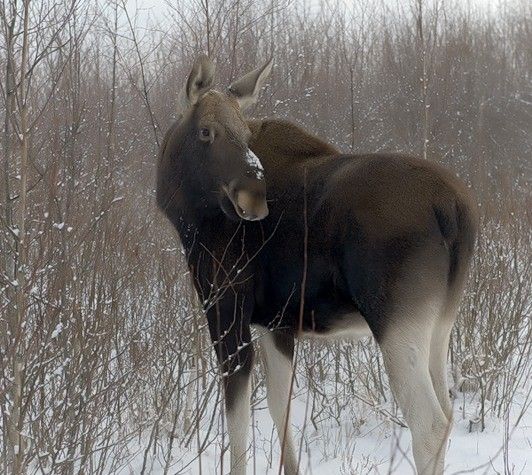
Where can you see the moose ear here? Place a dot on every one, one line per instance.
(246, 89)
(198, 83)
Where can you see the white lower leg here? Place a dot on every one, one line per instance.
(438, 365)
(406, 356)
(278, 379)
(238, 418)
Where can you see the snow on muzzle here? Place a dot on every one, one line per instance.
(253, 161)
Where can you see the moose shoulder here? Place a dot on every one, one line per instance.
(381, 243)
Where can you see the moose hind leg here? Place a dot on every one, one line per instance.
(440, 345)
(277, 349)
(406, 352)
(438, 363)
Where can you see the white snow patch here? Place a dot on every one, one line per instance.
(57, 330)
(360, 442)
(254, 161)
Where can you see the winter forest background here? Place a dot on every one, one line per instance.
(105, 365)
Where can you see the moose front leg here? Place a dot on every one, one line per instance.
(237, 407)
(278, 352)
(231, 336)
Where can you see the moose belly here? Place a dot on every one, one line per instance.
(326, 315)
(335, 325)
(329, 311)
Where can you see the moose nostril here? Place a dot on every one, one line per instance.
(250, 206)
(247, 215)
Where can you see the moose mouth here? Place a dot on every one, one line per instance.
(246, 204)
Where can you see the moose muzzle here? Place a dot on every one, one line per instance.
(248, 197)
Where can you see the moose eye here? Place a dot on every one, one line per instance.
(205, 133)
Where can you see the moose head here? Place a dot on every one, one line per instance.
(217, 166)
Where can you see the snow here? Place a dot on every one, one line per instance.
(361, 444)
(254, 162)
(57, 330)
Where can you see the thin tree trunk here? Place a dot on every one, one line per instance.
(352, 94)
(111, 129)
(422, 52)
(17, 442)
(9, 256)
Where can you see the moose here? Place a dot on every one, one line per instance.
(284, 233)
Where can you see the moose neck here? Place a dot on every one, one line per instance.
(193, 216)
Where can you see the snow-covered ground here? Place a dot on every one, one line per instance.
(362, 443)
